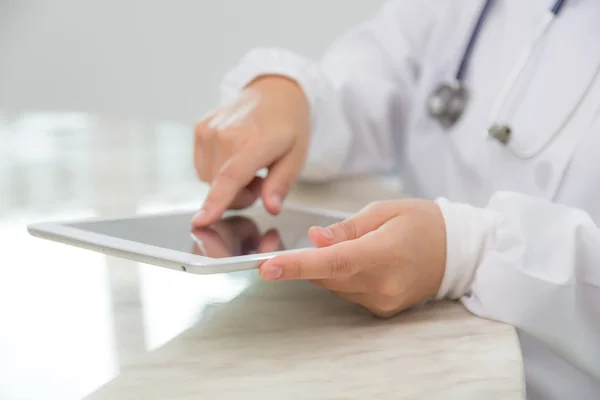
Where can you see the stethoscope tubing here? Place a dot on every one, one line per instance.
(515, 74)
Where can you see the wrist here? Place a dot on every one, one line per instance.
(281, 86)
(273, 80)
(263, 65)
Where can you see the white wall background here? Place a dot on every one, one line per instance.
(159, 59)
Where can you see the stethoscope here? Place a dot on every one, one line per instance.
(449, 101)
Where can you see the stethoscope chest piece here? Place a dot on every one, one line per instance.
(448, 103)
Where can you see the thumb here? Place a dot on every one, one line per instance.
(367, 220)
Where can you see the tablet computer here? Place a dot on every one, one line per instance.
(240, 240)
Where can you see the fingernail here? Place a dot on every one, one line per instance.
(271, 272)
(198, 216)
(327, 233)
(277, 200)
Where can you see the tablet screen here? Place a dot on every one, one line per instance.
(240, 233)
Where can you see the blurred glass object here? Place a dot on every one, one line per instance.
(55, 161)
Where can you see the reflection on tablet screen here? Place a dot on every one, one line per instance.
(234, 236)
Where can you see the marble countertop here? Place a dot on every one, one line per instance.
(77, 324)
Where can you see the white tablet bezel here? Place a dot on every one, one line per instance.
(159, 256)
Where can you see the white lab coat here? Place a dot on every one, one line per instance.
(528, 252)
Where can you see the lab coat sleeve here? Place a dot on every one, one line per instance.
(359, 93)
(532, 264)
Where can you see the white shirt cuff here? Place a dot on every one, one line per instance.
(469, 234)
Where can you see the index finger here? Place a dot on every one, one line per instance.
(235, 175)
(336, 261)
